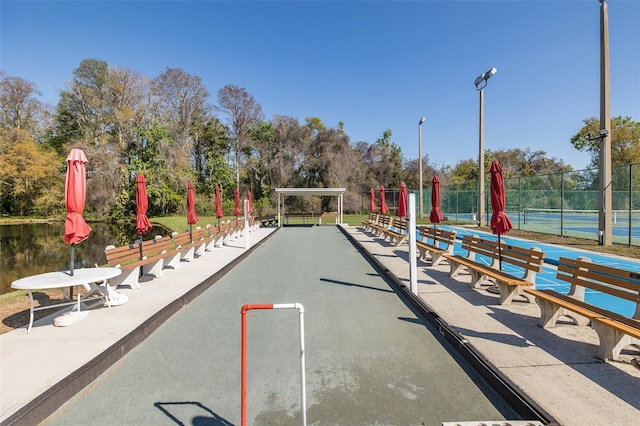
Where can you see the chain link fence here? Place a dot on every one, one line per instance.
(562, 203)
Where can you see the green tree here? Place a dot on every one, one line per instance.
(210, 149)
(524, 162)
(31, 177)
(625, 140)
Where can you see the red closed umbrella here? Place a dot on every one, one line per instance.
(383, 205)
(142, 204)
(76, 229)
(250, 199)
(436, 215)
(402, 202)
(237, 210)
(372, 201)
(192, 217)
(500, 223)
(219, 212)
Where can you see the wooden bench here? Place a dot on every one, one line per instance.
(381, 225)
(156, 255)
(191, 244)
(329, 215)
(237, 227)
(615, 331)
(397, 231)
(220, 233)
(366, 224)
(268, 220)
(435, 242)
(529, 261)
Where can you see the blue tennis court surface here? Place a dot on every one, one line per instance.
(616, 231)
(547, 278)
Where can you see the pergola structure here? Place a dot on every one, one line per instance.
(318, 192)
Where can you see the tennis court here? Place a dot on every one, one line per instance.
(547, 278)
(625, 224)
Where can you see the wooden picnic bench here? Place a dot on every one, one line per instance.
(397, 231)
(190, 244)
(527, 260)
(156, 254)
(381, 225)
(614, 331)
(267, 220)
(435, 242)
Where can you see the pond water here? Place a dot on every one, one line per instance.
(33, 248)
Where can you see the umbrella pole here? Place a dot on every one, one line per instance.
(72, 259)
(71, 263)
(499, 253)
(190, 233)
(140, 274)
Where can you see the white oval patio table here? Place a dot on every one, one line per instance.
(62, 279)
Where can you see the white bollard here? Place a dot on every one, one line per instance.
(411, 230)
(246, 224)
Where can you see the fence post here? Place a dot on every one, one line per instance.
(561, 203)
(630, 204)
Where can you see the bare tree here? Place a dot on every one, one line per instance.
(126, 104)
(179, 98)
(19, 107)
(244, 112)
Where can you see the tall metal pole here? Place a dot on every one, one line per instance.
(604, 217)
(481, 83)
(422, 120)
(481, 163)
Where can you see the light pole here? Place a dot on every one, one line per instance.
(604, 216)
(422, 120)
(481, 83)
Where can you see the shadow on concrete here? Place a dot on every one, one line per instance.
(209, 419)
(574, 353)
(329, 280)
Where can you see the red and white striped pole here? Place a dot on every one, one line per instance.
(243, 367)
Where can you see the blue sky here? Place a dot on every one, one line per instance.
(373, 65)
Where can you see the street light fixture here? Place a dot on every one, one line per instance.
(422, 120)
(481, 83)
